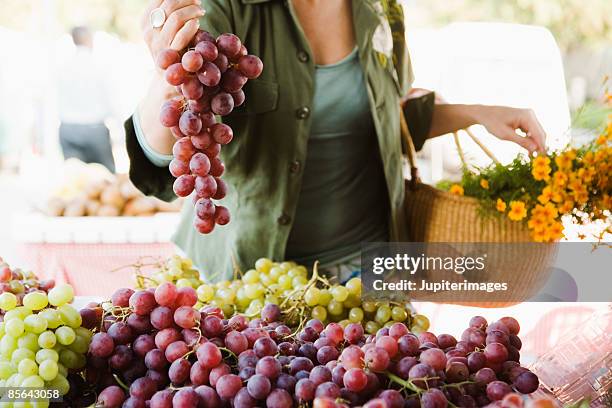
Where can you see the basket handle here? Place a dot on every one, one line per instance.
(411, 151)
(478, 142)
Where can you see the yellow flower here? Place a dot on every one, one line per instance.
(586, 175)
(456, 189)
(558, 196)
(546, 195)
(560, 178)
(564, 161)
(549, 211)
(537, 211)
(541, 173)
(589, 174)
(575, 184)
(541, 161)
(581, 196)
(536, 223)
(566, 207)
(541, 235)
(601, 140)
(484, 183)
(555, 231)
(588, 159)
(517, 210)
(540, 168)
(500, 205)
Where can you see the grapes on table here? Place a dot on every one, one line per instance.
(210, 78)
(287, 283)
(276, 337)
(42, 341)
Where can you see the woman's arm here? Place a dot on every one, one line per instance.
(500, 121)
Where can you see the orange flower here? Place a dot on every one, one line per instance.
(601, 140)
(541, 173)
(581, 196)
(566, 207)
(484, 183)
(541, 161)
(456, 189)
(559, 178)
(536, 223)
(564, 160)
(540, 235)
(500, 205)
(540, 168)
(556, 231)
(546, 195)
(549, 211)
(517, 210)
(557, 196)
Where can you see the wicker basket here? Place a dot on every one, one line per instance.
(434, 215)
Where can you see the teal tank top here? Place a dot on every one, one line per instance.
(343, 200)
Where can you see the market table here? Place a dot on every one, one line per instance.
(89, 252)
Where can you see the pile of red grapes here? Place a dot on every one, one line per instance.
(209, 77)
(153, 349)
(20, 282)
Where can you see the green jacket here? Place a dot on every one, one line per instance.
(264, 161)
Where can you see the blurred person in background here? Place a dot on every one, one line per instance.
(84, 105)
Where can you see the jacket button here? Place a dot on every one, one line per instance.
(303, 56)
(284, 219)
(303, 112)
(295, 166)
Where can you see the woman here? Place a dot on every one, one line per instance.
(314, 169)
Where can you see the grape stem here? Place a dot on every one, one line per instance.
(408, 384)
(121, 383)
(458, 385)
(230, 352)
(237, 271)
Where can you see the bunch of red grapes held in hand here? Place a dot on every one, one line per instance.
(209, 78)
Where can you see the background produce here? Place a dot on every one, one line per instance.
(210, 78)
(92, 191)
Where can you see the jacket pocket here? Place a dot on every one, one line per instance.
(261, 97)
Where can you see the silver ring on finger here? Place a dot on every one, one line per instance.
(157, 17)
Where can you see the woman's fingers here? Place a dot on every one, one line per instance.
(532, 127)
(177, 20)
(145, 22)
(525, 142)
(170, 6)
(184, 36)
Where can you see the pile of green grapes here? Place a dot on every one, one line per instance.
(176, 270)
(288, 285)
(41, 341)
